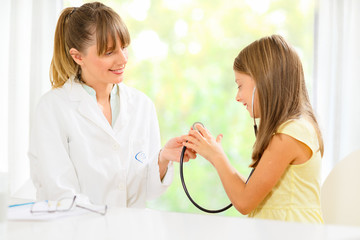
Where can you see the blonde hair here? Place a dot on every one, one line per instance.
(280, 85)
(79, 28)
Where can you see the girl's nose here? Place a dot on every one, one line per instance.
(237, 97)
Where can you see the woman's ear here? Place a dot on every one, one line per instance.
(76, 55)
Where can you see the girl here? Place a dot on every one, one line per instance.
(93, 136)
(286, 158)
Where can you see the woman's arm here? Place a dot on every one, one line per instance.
(52, 170)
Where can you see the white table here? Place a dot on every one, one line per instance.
(152, 224)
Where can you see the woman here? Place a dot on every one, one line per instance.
(93, 136)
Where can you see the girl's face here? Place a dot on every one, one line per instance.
(104, 69)
(244, 94)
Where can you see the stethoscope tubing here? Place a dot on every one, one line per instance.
(182, 169)
(188, 194)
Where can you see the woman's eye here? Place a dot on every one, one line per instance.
(108, 53)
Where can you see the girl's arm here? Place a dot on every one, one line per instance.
(282, 151)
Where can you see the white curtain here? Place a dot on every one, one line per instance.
(337, 78)
(27, 42)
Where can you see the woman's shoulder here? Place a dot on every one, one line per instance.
(51, 95)
(54, 93)
(54, 97)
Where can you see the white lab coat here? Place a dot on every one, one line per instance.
(74, 150)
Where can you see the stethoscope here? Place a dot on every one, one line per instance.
(182, 171)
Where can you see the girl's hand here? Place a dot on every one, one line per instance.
(203, 143)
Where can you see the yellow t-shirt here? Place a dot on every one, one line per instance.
(296, 197)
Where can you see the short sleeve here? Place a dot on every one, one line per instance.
(302, 130)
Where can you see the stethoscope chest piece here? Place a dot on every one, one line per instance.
(194, 125)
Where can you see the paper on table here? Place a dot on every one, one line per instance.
(23, 213)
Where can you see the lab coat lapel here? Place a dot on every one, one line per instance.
(88, 107)
(124, 114)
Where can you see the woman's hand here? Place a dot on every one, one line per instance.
(172, 150)
(203, 143)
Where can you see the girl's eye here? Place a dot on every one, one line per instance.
(108, 53)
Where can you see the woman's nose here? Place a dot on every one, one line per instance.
(123, 56)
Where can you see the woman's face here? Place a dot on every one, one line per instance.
(104, 69)
(244, 94)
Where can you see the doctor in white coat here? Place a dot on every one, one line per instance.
(93, 136)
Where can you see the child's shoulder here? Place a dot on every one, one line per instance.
(302, 125)
(301, 129)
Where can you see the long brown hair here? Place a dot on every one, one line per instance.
(79, 28)
(280, 85)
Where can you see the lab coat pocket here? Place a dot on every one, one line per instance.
(139, 152)
(138, 163)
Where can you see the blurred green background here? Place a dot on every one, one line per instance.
(181, 56)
